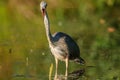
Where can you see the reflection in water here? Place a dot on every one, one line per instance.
(76, 74)
(72, 76)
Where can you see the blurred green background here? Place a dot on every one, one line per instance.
(93, 24)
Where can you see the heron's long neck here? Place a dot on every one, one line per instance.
(47, 27)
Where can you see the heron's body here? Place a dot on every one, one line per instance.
(62, 46)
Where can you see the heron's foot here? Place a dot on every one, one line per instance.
(56, 77)
(61, 77)
(66, 77)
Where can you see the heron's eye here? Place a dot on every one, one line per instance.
(45, 5)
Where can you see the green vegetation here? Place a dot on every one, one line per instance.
(93, 24)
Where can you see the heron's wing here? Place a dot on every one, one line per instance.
(66, 44)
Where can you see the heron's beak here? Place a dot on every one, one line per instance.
(43, 12)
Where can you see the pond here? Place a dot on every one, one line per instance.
(24, 52)
(35, 64)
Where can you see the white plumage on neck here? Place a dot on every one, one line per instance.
(47, 27)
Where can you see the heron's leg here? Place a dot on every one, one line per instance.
(66, 73)
(56, 61)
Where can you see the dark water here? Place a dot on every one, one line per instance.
(34, 64)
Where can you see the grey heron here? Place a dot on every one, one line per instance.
(62, 46)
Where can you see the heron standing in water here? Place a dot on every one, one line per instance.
(62, 46)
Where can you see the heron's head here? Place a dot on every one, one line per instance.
(43, 6)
